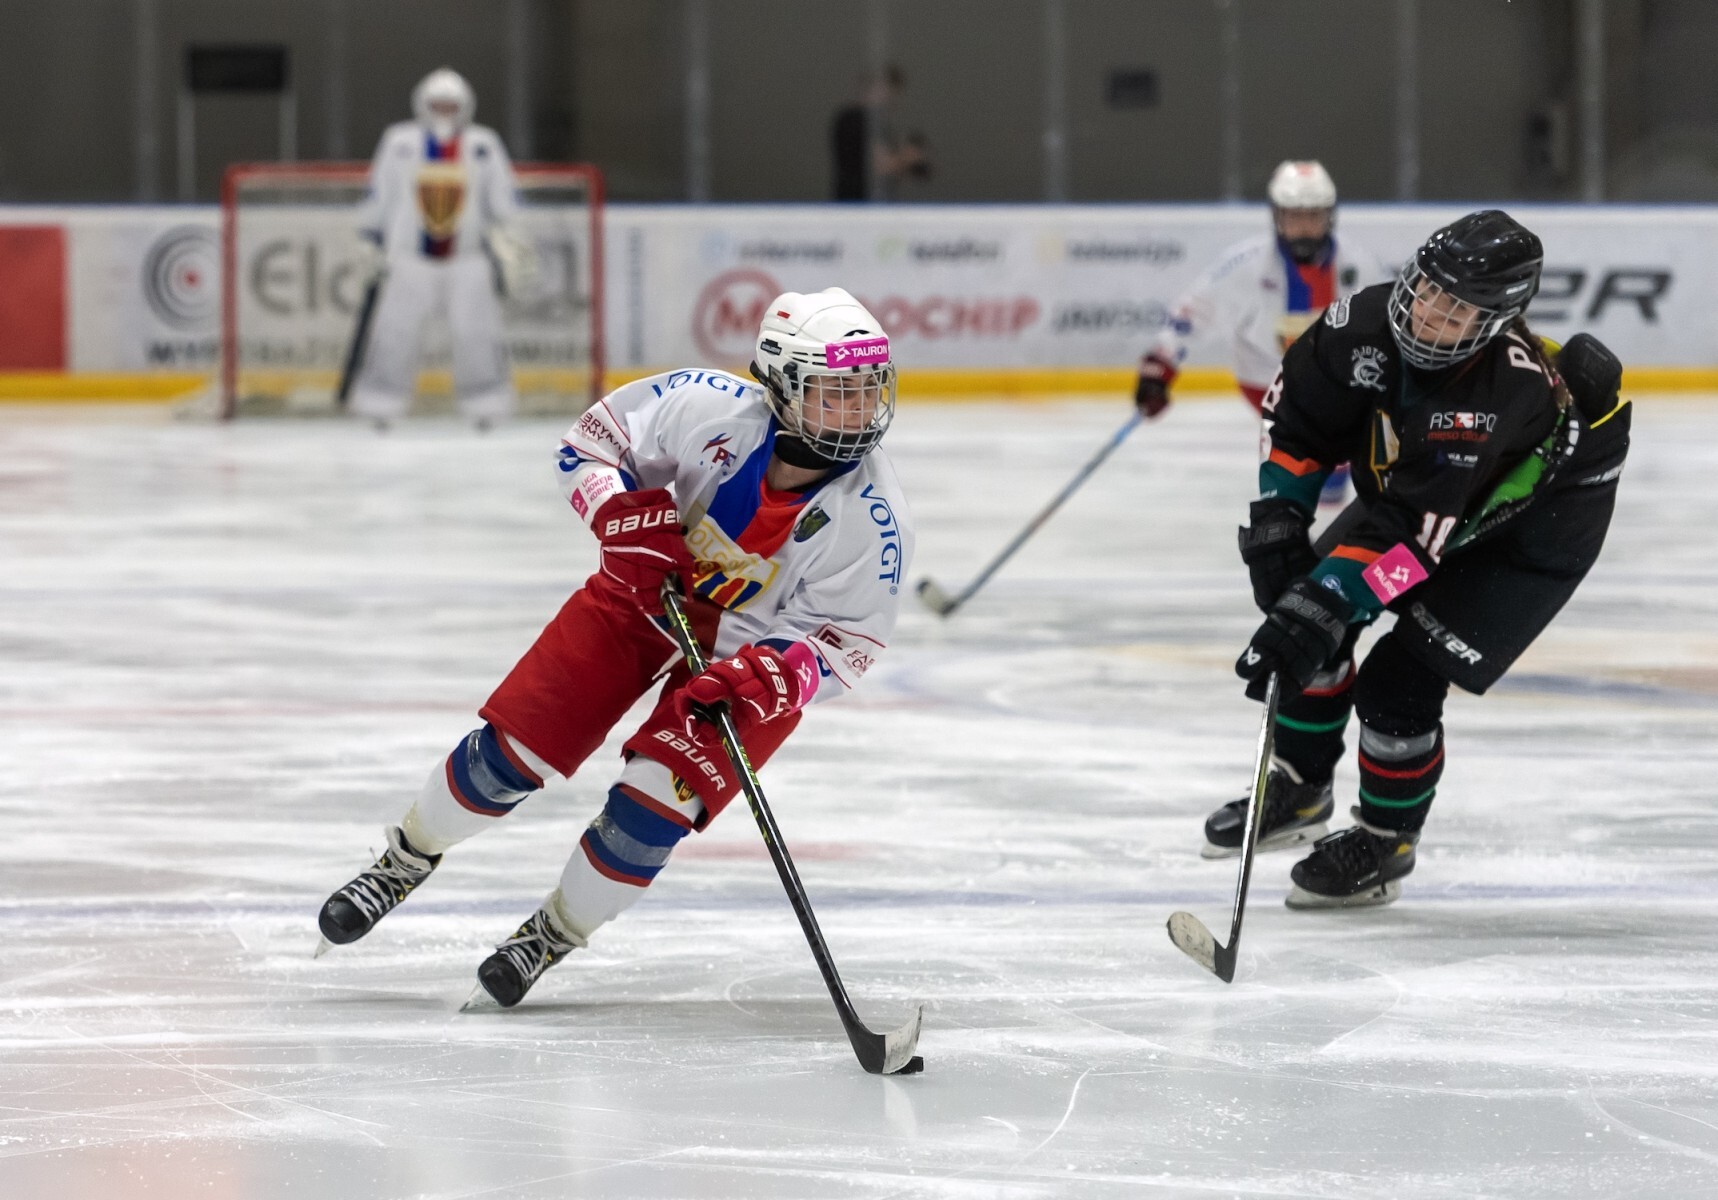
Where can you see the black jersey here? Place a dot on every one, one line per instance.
(1427, 449)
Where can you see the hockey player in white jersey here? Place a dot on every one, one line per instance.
(438, 222)
(773, 507)
(1264, 292)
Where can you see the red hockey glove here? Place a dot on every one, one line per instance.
(642, 544)
(1151, 393)
(758, 685)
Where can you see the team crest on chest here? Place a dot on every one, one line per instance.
(1368, 368)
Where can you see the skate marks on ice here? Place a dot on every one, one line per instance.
(232, 654)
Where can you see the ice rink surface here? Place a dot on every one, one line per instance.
(228, 656)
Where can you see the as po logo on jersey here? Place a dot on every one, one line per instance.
(1368, 368)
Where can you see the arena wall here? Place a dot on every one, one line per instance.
(111, 303)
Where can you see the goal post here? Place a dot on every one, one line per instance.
(292, 286)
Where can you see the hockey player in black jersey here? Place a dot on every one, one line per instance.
(1486, 463)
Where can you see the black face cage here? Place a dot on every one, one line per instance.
(868, 392)
(1432, 351)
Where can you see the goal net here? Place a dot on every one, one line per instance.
(292, 288)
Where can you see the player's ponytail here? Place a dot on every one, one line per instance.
(1547, 362)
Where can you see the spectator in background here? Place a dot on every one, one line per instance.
(869, 158)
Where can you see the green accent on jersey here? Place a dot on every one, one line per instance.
(1300, 490)
(1312, 727)
(1513, 488)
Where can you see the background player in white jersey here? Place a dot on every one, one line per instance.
(1263, 293)
(785, 524)
(438, 219)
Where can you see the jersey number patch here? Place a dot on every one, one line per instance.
(1434, 533)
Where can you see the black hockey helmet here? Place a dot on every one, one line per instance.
(1489, 263)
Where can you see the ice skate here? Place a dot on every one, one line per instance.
(1358, 867)
(353, 911)
(520, 961)
(1295, 813)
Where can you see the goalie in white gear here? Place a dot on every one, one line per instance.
(440, 216)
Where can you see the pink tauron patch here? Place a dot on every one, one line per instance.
(802, 661)
(1393, 573)
(858, 353)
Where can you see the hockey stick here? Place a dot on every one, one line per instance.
(360, 340)
(943, 604)
(889, 1053)
(1186, 930)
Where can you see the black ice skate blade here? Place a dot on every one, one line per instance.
(323, 946)
(1302, 900)
(1280, 841)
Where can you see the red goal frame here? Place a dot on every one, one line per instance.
(233, 179)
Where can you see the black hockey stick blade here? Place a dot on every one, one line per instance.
(934, 598)
(891, 1053)
(1191, 935)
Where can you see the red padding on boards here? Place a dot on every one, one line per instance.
(32, 298)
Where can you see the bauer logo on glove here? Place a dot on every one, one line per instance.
(758, 684)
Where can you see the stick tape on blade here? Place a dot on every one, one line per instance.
(1189, 933)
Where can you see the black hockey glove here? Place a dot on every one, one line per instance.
(1303, 632)
(1276, 548)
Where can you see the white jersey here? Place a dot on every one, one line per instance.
(823, 568)
(436, 200)
(1261, 298)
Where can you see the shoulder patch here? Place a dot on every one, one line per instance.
(1336, 316)
(810, 523)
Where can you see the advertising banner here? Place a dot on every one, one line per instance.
(143, 289)
(1000, 288)
(986, 292)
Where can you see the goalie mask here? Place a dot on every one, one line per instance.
(443, 103)
(824, 363)
(1463, 288)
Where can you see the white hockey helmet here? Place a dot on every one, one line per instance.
(1303, 209)
(1301, 185)
(444, 103)
(827, 374)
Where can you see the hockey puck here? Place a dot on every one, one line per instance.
(914, 1066)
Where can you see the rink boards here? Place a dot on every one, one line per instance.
(124, 302)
